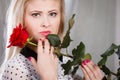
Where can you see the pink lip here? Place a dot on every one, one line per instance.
(45, 33)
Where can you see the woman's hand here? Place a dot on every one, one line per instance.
(47, 61)
(91, 71)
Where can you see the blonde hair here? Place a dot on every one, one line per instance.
(15, 16)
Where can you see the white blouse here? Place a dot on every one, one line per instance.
(20, 68)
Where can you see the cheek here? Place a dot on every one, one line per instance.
(32, 31)
(56, 26)
(29, 25)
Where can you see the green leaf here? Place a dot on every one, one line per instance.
(66, 40)
(105, 70)
(110, 50)
(77, 55)
(102, 61)
(71, 22)
(67, 67)
(87, 56)
(57, 51)
(75, 70)
(118, 73)
(77, 61)
(79, 52)
(54, 40)
(118, 52)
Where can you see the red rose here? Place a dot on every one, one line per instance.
(18, 37)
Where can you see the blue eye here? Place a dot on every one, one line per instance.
(35, 14)
(53, 14)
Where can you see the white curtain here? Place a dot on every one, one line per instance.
(117, 36)
(96, 26)
(3, 8)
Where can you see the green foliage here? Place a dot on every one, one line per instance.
(66, 40)
(102, 63)
(87, 56)
(54, 40)
(67, 67)
(118, 73)
(79, 52)
(71, 21)
(105, 70)
(110, 50)
(79, 55)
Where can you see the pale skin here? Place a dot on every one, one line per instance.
(42, 17)
(91, 71)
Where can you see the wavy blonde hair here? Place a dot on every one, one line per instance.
(15, 16)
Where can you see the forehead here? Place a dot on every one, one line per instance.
(42, 4)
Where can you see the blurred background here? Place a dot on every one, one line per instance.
(3, 8)
(97, 25)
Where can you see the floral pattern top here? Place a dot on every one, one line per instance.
(21, 68)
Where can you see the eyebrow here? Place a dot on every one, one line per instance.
(53, 10)
(41, 11)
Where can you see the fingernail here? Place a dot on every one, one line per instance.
(40, 40)
(29, 58)
(83, 63)
(87, 61)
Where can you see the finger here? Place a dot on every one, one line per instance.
(33, 61)
(86, 77)
(53, 55)
(46, 46)
(52, 52)
(56, 60)
(99, 72)
(88, 70)
(95, 70)
(39, 48)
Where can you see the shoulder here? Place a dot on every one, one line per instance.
(18, 61)
(20, 67)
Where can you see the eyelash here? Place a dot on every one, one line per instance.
(53, 14)
(35, 14)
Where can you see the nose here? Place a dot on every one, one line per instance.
(45, 22)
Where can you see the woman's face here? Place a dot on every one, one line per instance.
(42, 17)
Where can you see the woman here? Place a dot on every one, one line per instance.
(40, 18)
